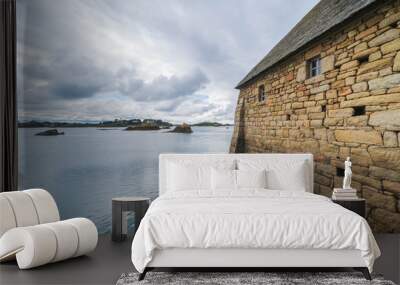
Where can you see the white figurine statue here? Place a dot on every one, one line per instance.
(347, 174)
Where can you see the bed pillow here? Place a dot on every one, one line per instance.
(251, 178)
(183, 177)
(223, 179)
(281, 174)
(193, 175)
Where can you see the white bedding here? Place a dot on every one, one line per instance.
(250, 219)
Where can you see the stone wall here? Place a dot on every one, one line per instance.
(360, 64)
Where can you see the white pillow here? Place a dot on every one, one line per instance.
(223, 179)
(182, 177)
(281, 174)
(251, 178)
(193, 175)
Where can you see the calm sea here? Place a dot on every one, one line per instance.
(87, 167)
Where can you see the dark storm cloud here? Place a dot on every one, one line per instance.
(73, 91)
(65, 77)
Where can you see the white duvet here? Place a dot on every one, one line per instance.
(250, 219)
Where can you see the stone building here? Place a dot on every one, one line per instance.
(331, 87)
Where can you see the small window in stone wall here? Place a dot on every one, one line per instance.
(363, 59)
(359, 111)
(314, 67)
(261, 93)
(339, 172)
(323, 108)
(287, 117)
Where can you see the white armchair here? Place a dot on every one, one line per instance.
(31, 230)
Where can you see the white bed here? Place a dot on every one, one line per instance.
(248, 227)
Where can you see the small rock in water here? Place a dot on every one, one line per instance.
(52, 132)
(184, 128)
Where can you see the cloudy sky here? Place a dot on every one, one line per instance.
(176, 60)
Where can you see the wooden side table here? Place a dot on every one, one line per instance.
(120, 208)
(358, 206)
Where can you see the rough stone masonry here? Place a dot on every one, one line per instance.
(351, 109)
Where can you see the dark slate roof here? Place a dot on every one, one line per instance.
(324, 16)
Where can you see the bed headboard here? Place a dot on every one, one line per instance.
(165, 157)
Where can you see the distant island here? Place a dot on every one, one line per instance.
(127, 125)
(52, 132)
(101, 125)
(210, 124)
(143, 127)
(132, 124)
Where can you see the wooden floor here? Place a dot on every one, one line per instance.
(110, 260)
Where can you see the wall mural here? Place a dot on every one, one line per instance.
(103, 84)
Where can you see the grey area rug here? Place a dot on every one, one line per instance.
(229, 278)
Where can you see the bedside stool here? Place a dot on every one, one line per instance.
(358, 206)
(120, 207)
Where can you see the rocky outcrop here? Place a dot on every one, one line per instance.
(184, 129)
(52, 132)
(143, 127)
